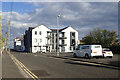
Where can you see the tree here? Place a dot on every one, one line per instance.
(2, 39)
(102, 37)
(0, 33)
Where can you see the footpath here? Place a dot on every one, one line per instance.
(9, 68)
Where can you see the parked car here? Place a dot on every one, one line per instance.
(107, 53)
(88, 51)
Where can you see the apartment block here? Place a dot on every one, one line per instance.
(68, 38)
(43, 39)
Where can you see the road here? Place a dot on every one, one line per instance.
(49, 67)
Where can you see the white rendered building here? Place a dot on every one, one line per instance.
(38, 39)
(19, 44)
(43, 39)
(68, 39)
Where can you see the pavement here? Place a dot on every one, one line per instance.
(9, 68)
(53, 67)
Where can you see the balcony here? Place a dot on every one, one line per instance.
(72, 45)
(48, 44)
(62, 44)
(73, 37)
(49, 36)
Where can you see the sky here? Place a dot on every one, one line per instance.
(82, 16)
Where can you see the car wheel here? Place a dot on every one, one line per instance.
(87, 56)
(103, 56)
(97, 57)
(74, 55)
(110, 56)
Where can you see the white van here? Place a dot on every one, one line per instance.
(88, 51)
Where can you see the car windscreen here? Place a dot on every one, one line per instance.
(96, 46)
(106, 49)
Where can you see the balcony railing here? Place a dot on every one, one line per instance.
(73, 37)
(62, 37)
(49, 36)
(62, 44)
(48, 44)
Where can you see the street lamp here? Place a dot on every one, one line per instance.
(58, 35)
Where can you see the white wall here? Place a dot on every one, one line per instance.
(67, 34)
(43, 36)
(18, 43)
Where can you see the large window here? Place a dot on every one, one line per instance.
(63, 41)
(63, 34)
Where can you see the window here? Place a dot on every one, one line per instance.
(35, 32)
(85, 47)
(73, 41)
(40, 40)
(35, 40)
(40, 33)
(63, 41)
(63, 34)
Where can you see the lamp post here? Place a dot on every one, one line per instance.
(58, 35)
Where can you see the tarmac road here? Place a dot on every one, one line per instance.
(49, 67)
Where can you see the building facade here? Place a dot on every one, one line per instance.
(38, 39)
(68, 39)
(43, 39)
(19, 44)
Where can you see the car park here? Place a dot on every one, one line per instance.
(88, 51)
(107, 53)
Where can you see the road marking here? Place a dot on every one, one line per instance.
(27, 70)
(59, 58)
(97, 64)
(32, 75)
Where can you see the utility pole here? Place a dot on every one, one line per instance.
(6, 41)
(58, 35)
(8, 36)
(9, 27)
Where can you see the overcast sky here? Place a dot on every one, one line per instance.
(82, 16)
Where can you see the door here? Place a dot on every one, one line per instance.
(78, 51)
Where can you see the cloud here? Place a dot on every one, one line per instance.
(83, 16)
